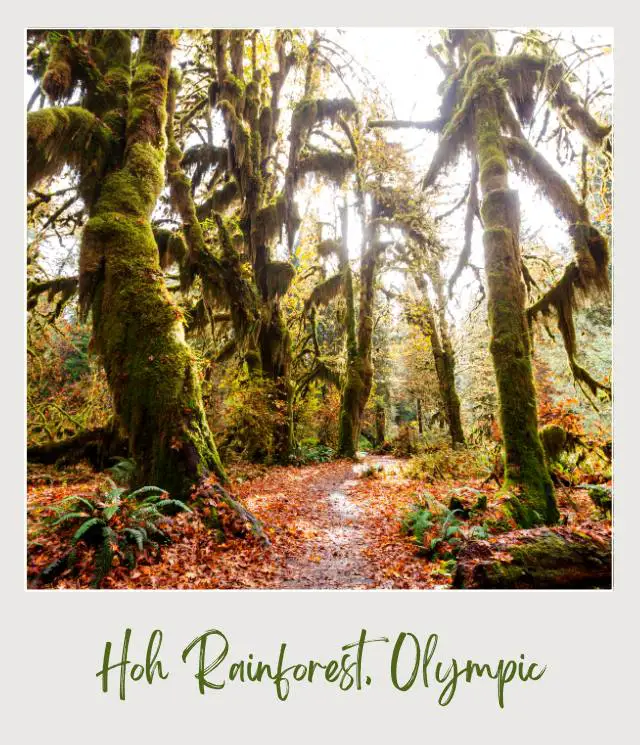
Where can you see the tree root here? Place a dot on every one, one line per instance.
(241, 511)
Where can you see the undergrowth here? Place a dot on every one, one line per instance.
(115, 526)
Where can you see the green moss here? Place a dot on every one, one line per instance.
(61, 73)
(553, 439)
(69, 136)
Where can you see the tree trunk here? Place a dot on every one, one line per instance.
(564, 558)
(359, 375)
(419, 415)
(275, 352)
(138, 329)
(444, 362)
(525, 467)
(381, 422)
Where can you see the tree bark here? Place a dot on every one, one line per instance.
(563, 558)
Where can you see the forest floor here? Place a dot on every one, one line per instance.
(333, 525)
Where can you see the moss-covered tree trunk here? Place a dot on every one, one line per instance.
(116, 141)
(525, 467)
(275, 352)
(138, 329)
(444, 361)
(349, 422)
(542, 558)
(381, 423)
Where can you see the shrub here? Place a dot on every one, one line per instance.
(371, 472)
(601, 497)
(251, 413)
(311, 451)
(406, 442)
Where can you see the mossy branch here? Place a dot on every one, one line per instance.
(435, 125)
(66, 287)
(591, 250)
(473, 211)
(57, 137)
(521, 71)
(328, 163)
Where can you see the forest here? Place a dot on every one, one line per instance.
(319, 308)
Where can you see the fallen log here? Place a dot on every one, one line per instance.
(541, 558)
(98, 446)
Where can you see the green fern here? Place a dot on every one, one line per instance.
(114, 523)
(123, 470)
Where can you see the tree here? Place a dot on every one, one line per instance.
(116, 141)
(476, 113)
(251, 196)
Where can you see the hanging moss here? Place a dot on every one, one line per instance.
(201, 159)
(522, 84)
(172, 248)
(269, 221)
(326, 291)
(328, 163)
(563, 299)
(264, 127)
(328, 247)
(590, 246)
(62, 72)
(279, 275)
(218, 200)
(520, 69)
(69, 136)
(198, 317)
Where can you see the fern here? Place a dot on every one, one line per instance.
(104, 555)
(136, 535)
(123, 524)
(111, 510)
(84, 528)
(114, 496)
(123, 470)
(146, 490)
(69, 516)
(172, 505)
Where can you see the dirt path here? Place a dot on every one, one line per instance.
(334, 558)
